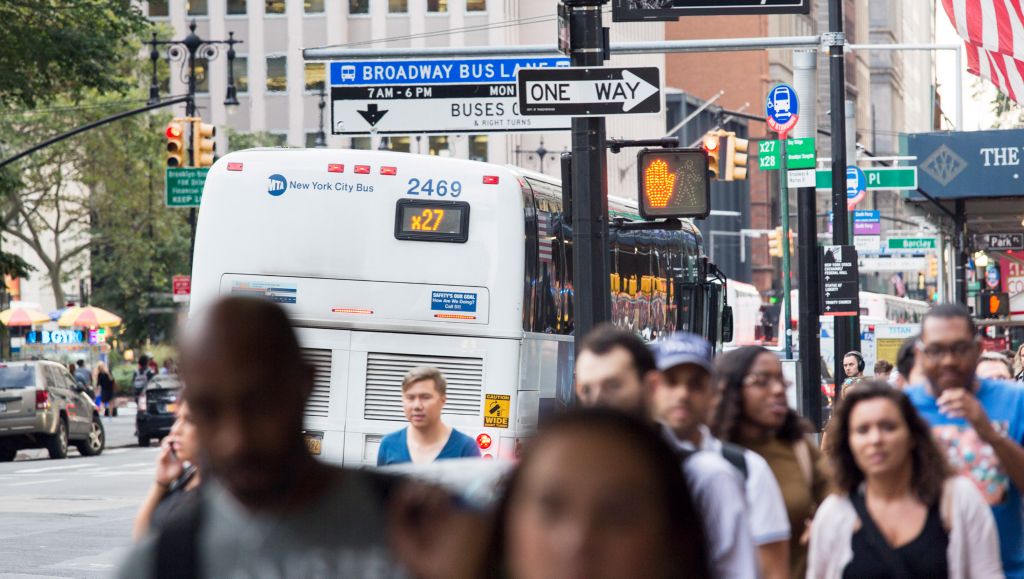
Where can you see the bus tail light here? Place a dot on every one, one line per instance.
(362, 169)
(234, 166)
(454, 317)
(351, 311)
(389, 170)
(335, 168)
(42, 399)
(490, 179)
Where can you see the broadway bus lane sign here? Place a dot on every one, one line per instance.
(434, 96)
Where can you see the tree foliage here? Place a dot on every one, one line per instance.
(51, 49)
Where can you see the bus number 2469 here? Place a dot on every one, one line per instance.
(430, 187)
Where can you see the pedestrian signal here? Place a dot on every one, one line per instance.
(175, 134)
(993, 304)
(713, 148)
(673, 183)
(204, 148)
(735, 158)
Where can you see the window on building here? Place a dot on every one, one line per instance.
(273, 6)
(400, 144)
(315, 74)
(277, 73)
(158, 8)
(478, 147)
(439, 146)
(314, 6)
(311, 139)
(196, 7)
(398, 6)
(360, 143)
(202, 75)
(476, 5)
(236, 6)
(240, 69)
(437, 5)
(358, 6)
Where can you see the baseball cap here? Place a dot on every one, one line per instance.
(683, 348)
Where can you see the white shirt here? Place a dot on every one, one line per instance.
(718, 492)
(769, 521)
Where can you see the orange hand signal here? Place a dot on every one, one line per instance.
(659, 183)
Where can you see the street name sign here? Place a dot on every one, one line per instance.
(865, 222)
(999, 241)
(666, 10)
(912, 244)
(872, 263)
(892, 178)
(799, 154)
(840, 283)
(590, 91)
(183, 186)
(434, 96)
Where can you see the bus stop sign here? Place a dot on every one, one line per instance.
(782, 109)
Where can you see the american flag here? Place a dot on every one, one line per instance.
(993, 32)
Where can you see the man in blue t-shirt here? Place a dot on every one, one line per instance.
(979, 422)
(429, 438)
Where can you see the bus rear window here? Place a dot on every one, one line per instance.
(20, 376)
(432, 220)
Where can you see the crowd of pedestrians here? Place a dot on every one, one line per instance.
(677, 463)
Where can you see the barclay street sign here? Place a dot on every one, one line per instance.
(588, 92)
(911, 244)
(893, 178)
(184, 185)
(433, 96)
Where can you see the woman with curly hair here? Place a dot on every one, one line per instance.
(753, 413)
(898, 511)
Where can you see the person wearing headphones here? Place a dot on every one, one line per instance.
(853, 365)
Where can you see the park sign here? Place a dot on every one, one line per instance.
(590, 91)
(670, 10)
(434, 96)
(183, 186)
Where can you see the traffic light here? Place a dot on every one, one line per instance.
(204, 148)
(993, 304)
(673, 183)
(933, 266)
(175, 133)
(775, 242)
(735, 158)
(713, 147)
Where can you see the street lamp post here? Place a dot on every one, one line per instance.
(540, 152)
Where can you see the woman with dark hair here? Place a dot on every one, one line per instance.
(899, 511)
(754, 413)
(599, 494)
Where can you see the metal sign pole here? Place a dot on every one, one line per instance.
(589, 181)
(787, 283)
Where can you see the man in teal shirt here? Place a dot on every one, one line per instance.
(979, 422)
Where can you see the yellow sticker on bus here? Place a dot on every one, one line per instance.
(496, 410)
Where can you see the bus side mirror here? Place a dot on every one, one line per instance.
(726, 323)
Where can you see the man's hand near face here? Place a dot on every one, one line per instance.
(961, 403)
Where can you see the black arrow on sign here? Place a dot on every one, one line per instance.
(372, 115)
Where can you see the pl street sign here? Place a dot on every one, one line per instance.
(667, 10)
(433, 96)
(999, 241)
(799, 154)
(782, 107)
(589, 92)
(856, 186)
(892, 178)
(184, 185)
(840, 285)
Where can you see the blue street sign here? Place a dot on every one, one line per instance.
(782, 108)
(434, 72)
(856, 185)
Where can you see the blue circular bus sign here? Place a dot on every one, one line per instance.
(782, 109)
(856, 186)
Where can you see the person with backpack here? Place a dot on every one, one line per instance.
(898, 510)
(683, 401)
(755, 414)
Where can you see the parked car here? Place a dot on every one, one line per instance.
(42, 406)
(158, 403)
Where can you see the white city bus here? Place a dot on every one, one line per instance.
(386, 261)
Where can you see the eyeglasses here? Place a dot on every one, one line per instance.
(939, 351)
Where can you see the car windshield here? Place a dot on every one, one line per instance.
(20, 376)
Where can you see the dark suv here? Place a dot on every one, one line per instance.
(42, 406)
(158, 403)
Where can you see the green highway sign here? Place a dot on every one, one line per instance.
(184, 185)
(912, 243)
(893, 178)
(799, 154)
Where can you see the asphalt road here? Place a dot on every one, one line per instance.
(73, 517)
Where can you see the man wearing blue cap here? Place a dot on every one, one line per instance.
(683, 401)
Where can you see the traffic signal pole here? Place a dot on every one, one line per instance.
(589, 180)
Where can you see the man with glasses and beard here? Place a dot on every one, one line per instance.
(980, 422)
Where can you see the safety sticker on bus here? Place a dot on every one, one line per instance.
(496, 410)
(453, 302)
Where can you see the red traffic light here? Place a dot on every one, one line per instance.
(711, 143)
(673, 183)
(173, 131)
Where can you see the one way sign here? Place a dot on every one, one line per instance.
(582, 92)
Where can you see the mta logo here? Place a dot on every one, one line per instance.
(277, 185)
